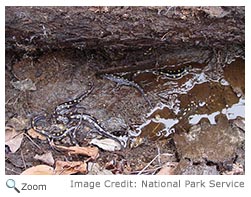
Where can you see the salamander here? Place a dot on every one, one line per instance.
(174, 73)
(94, 122)
(64, 108)
(66, 121)
(54, 131)
(59, 131)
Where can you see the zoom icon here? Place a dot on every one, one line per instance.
(10, 183)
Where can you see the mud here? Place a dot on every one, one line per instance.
(198, 119)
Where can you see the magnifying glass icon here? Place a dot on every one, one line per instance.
(10, 183)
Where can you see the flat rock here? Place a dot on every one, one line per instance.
(206, 142)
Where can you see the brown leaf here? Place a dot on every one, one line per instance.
(18, 123)
(116, 166)
(36, 135)
(13, 139)
(168, 169)
(62, 168)
(76, 150)
(39, 170)
(66, 168)
(23, 85)
(46, 158)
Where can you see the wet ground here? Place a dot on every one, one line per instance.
(195, 121)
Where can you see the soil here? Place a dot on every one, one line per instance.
(195, 122)
(61, 76)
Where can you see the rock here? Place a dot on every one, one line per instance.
(187, 168)
(214, 143)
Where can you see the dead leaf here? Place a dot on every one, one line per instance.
(39, 170)
(95, 169)
(106, 144)
(26, 84)
(18, 123)
(36, 135)
(46, 158)
(62, 168)
(116, 166)
(66, 168)
(13, 139)
(76, 150)
(168, 169)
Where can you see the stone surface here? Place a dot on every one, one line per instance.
(205, 142)
(187, 168)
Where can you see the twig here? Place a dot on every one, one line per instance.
(149, 171)
(32, 141)
(141, 171)
(158, 154)
(15, 101)
(22, 156)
